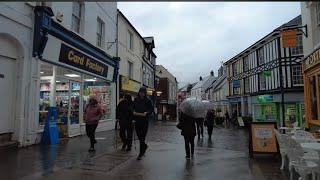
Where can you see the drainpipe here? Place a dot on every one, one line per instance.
(117, 55)
(281, 84)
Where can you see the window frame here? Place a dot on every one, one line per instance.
(298, 50)
(317, 12)
(76, 16)
(261, 76)
(260, 56)
(297, 75)
(130, 40)
(101, 28)
(130, 69)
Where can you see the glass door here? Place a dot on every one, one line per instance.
(74, 101)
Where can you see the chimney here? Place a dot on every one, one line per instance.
(200, 78)
(212, 73)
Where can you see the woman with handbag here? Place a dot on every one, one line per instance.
(92, 114)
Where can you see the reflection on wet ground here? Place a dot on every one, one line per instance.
(224, 157)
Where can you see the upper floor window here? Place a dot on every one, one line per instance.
(146, 53)
(260, 56)
(234, 69)
(318, 13)
(297, 77)
(130, 40)
(245, 64)
(130, 69)
(298, 50)
(246, 85)
(76, 16)
(100, 32)
(262, 80)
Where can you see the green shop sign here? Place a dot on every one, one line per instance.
(266, 73)
(265, 98)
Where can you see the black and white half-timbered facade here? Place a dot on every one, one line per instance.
(254, 78)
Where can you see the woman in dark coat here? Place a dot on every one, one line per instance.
(124, 114)
(142, 109)
(188, 131)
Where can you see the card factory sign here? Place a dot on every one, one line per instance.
(65, 55)
(312, 60)
(74, 58)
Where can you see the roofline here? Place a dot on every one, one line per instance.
(272, 33)
(125, 18)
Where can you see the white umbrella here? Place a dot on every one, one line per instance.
(195, 108)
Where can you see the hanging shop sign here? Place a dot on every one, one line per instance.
(289, 38)
(57, 45)
(72, 57)
(65, 55)
(265, 98)
(236, 83)
(262, 138)
(129, 85)
(266, 73)
(312, 60)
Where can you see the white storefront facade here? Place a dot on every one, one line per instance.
(76, 61)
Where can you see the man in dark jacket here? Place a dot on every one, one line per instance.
(199, 122)
(188, 131)
(124, 114)
(142, 109)
(210, 122)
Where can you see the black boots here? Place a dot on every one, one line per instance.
(143, 148)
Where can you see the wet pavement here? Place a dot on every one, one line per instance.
(225, 157)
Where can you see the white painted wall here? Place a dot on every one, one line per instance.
(308, 16)
(126, 54)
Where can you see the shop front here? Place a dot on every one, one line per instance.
(129, 86)
(235, 107)
(71, 70)
(267, 108)
(311, 66)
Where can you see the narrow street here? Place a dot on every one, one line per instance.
(226, 157)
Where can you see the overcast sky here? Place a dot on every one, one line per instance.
(192, 38)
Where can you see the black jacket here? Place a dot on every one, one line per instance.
(210, 118)
(188, 125)
(124, 112)
(141, 106)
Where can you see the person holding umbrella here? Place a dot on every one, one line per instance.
(142, 109)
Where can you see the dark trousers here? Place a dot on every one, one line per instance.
(141, 127)
(91, 130)
(199, 123)
(126, 133)
(189, 145)
(210, 129)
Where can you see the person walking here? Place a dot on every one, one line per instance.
(187, 124)
(92, 114)
(199, 122)
(227, 119)
(142, 109)
(210, 118)
(124, 114)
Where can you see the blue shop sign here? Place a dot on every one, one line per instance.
(234, 100)
(236, 83)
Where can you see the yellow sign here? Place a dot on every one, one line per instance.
(129, 85)
(289, 38)
(312, 60)
(150, 91)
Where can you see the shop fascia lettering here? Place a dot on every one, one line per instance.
(313, 59)
(82, 60)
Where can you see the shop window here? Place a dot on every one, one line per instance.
(76, 16)
(100, 32)
(297, 77)
(130, 70)
(291, 115)
(262, 81)
(260, 56)
(298, 50)
(234, 69)
(313, 98)
(130, 41)
(318, 13)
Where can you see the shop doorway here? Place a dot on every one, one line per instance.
(7, 89)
